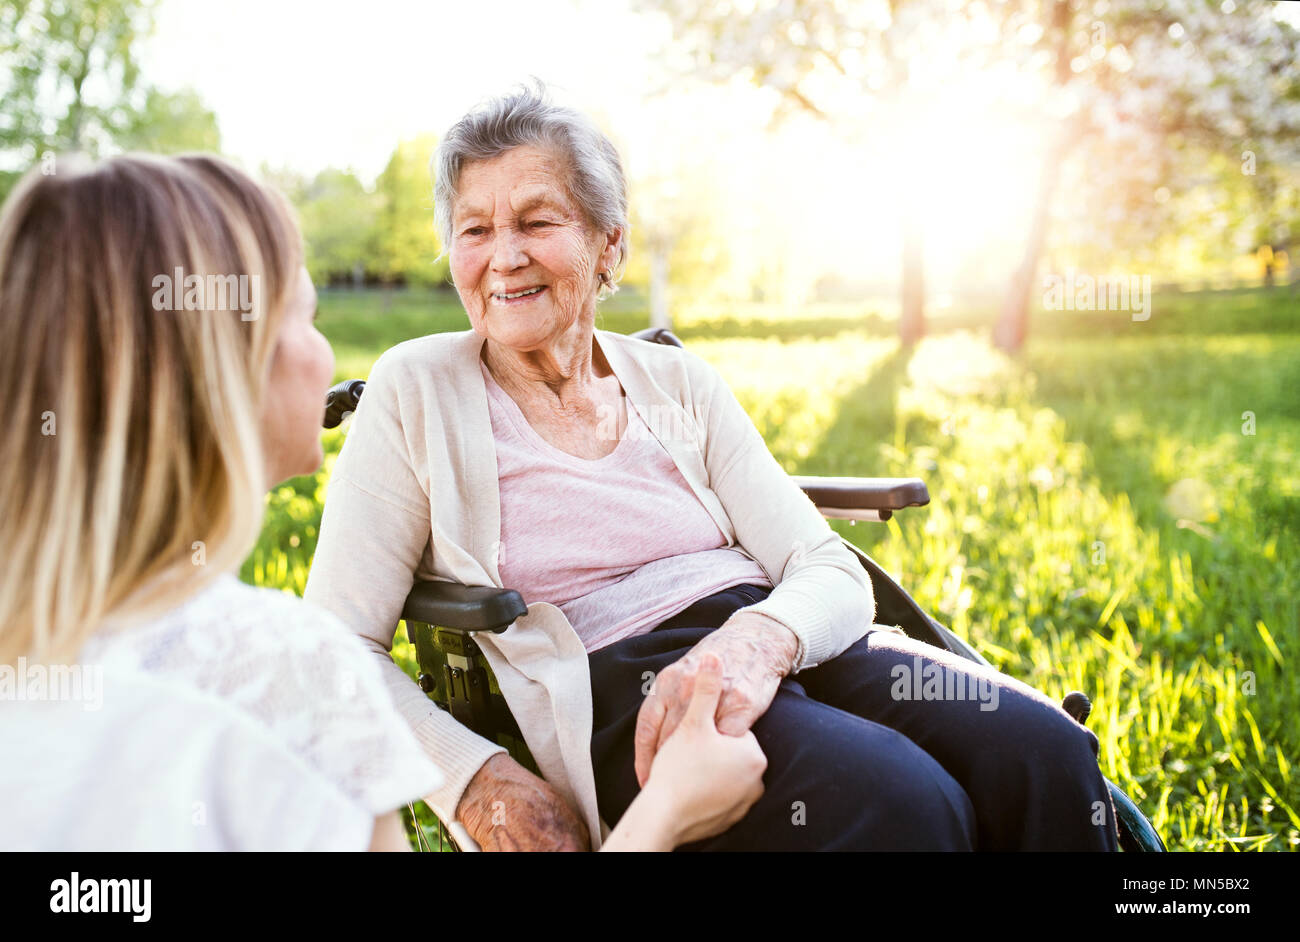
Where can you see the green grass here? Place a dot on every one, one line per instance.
(1099, 519)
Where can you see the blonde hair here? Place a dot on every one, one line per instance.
(132, 469)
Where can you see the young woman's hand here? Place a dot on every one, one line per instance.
(701, 782)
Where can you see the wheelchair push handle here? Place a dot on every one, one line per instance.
(342, 399)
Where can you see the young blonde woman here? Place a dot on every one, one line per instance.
(161, 371)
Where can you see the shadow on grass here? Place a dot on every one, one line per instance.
(866, 420)
(867, 417)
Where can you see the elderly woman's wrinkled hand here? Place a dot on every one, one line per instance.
(506, 807)
(756, 652)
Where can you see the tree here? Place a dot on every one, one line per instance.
(675, 232)
(71, 82)
(408, 246)
(1139, 87)
(71, 69)
(340, 223)
(359, 233)
(170, 124)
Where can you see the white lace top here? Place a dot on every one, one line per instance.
(245, 719)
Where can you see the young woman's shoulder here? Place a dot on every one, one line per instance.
(245, 639)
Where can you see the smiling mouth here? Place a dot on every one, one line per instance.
(519, 295)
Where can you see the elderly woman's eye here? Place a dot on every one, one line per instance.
(538, 223)
(474, 231)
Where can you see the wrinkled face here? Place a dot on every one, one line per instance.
(524, 259)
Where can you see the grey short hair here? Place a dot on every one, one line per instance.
(527, 118)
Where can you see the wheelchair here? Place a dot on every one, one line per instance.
(441, 619)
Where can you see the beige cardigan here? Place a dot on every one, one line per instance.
(414, 495)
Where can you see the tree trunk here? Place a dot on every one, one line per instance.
(1013, 325)
(911, 323)
(77, 110)
(659, 316)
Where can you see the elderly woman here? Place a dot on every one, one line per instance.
(620, 487)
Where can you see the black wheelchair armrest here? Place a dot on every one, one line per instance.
(441, 619)
(855, 498)
(463, 607)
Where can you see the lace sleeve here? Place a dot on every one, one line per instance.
(293, 806)
(304, 676)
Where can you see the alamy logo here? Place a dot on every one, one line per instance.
(933, 681)
(661, 422)
(64, 682)
(181, 292)
(1077, 292)
(102, 896)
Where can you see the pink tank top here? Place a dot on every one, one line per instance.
(619, 543)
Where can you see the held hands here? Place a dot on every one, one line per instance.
(702, 781)
(755, 652)
(693, 730)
